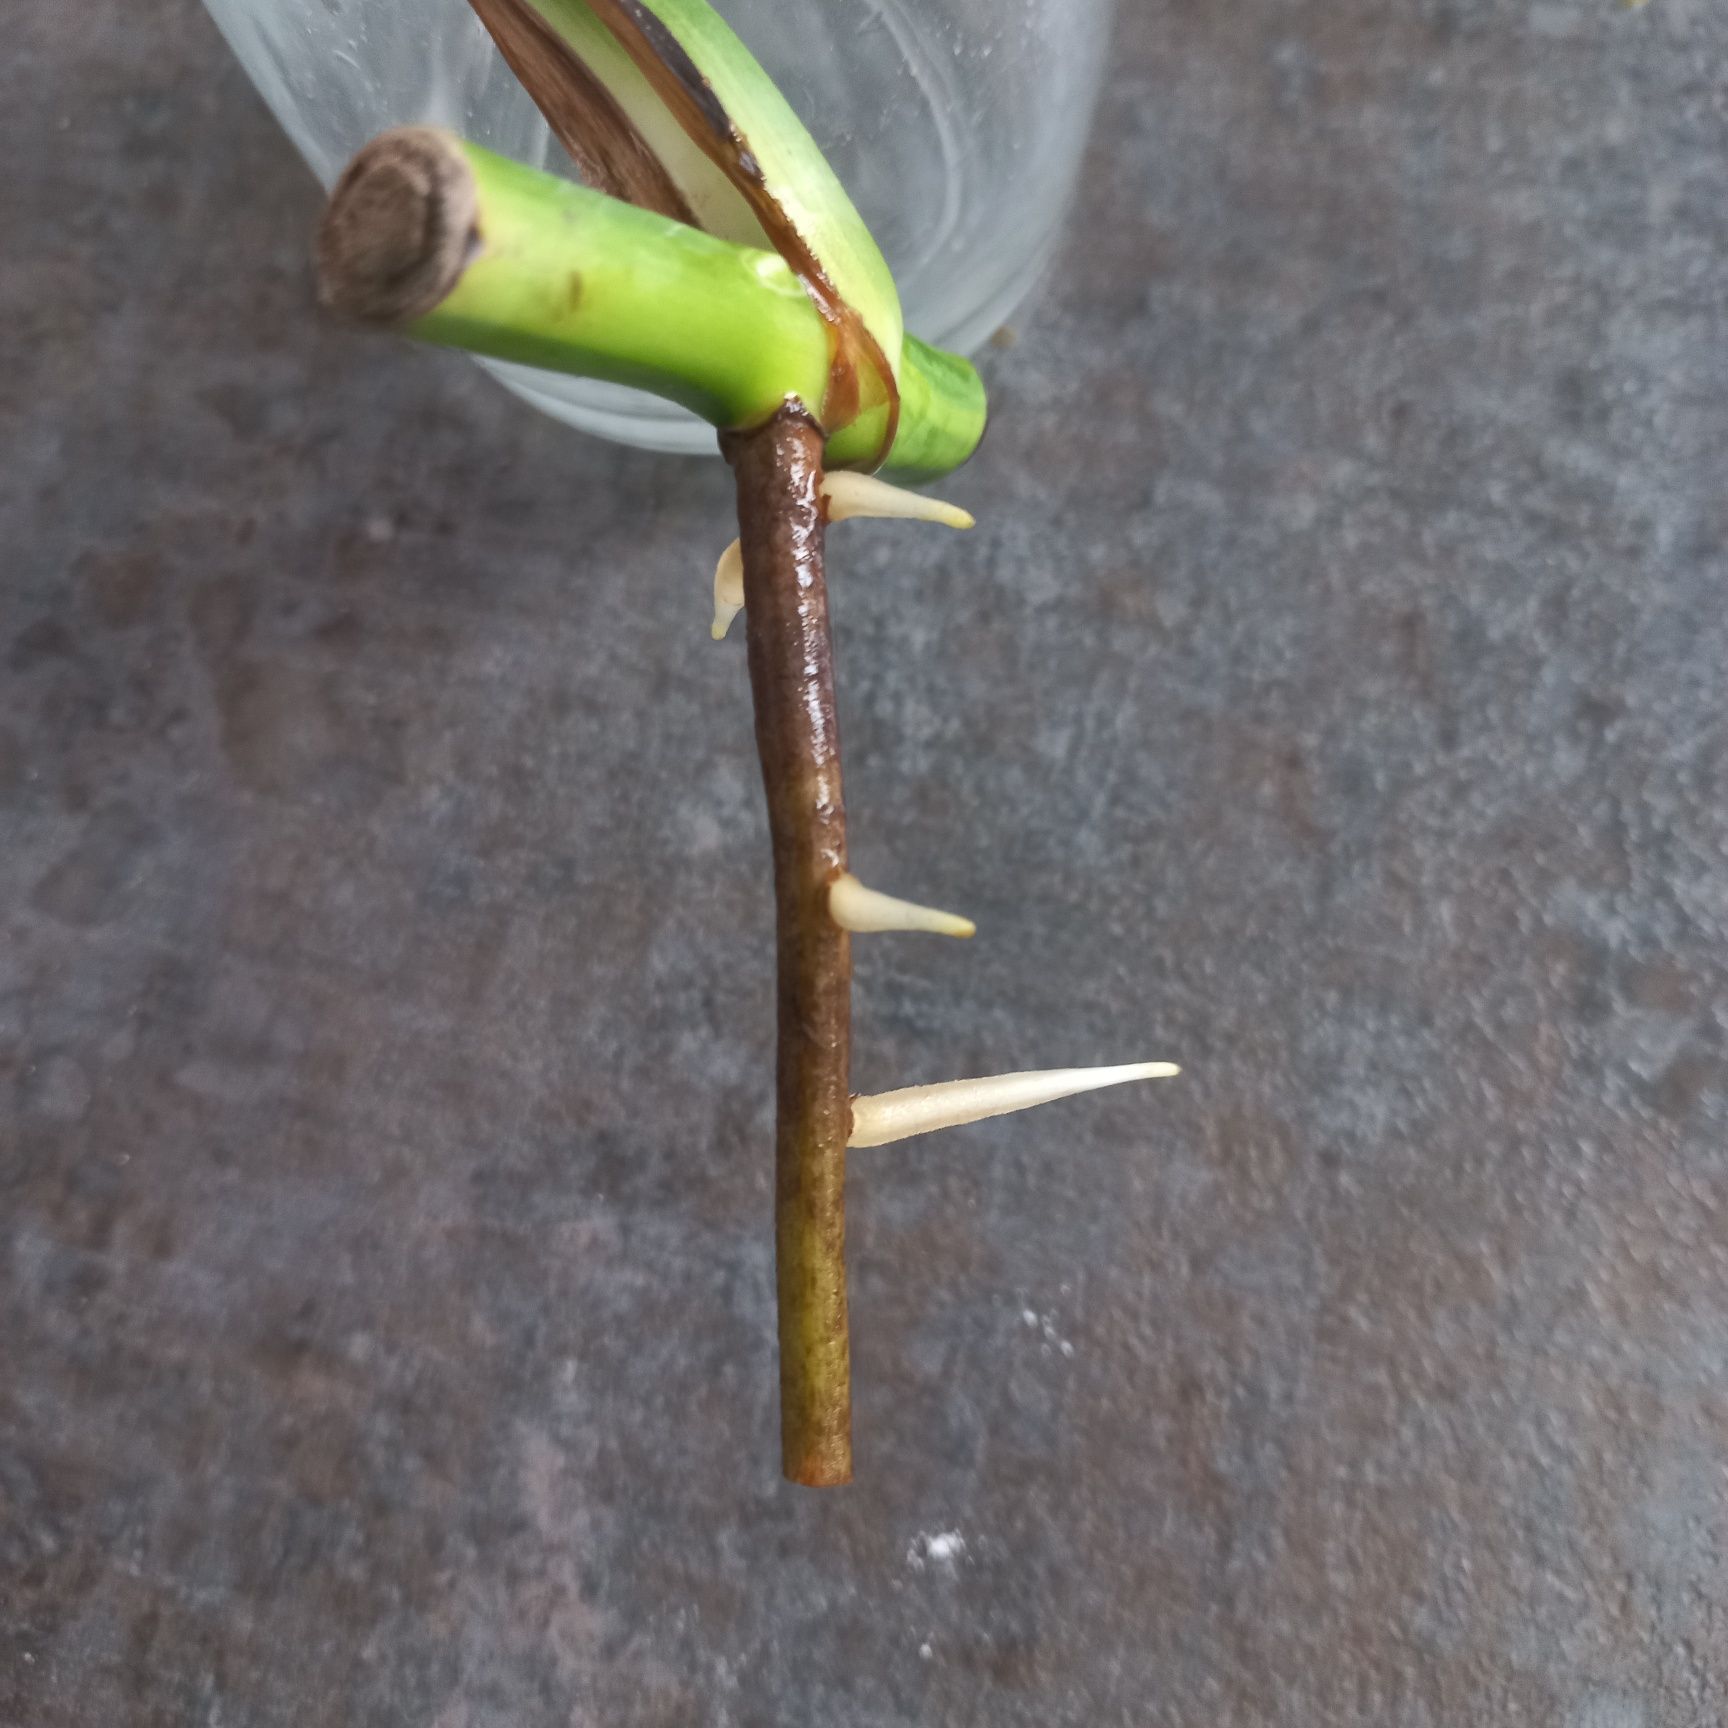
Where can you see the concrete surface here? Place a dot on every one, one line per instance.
(1332, 699)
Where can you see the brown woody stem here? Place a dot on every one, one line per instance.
(780, 516)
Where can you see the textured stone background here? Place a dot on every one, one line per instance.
(1332, 698)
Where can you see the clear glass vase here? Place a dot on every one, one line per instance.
(956, 125)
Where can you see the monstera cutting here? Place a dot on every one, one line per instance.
(712, 256)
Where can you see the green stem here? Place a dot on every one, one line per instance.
(462, 247)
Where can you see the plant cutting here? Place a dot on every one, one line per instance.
(711, 256)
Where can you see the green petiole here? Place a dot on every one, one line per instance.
(520, 265)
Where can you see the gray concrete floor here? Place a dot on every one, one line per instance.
(1331, 699)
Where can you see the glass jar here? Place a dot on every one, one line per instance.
(956, 125)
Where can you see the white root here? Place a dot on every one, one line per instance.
(852, 495)
(890, 1116)
(849, 495)
(854, 907)
(728, 590)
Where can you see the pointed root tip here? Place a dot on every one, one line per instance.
(864, 911)
(728, 590)
(852, 495)
(890, 1116)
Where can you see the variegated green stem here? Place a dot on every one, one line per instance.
(456, 245)
(661, 104)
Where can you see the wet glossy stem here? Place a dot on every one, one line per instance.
(779, 473)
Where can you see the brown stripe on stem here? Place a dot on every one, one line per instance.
(778, 468)
(858, 358)
(584, 115)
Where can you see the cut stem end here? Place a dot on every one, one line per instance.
(399, 229)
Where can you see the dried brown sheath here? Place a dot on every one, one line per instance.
(862, 375)
(614, 157)
(779, 474)
(583, 114)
